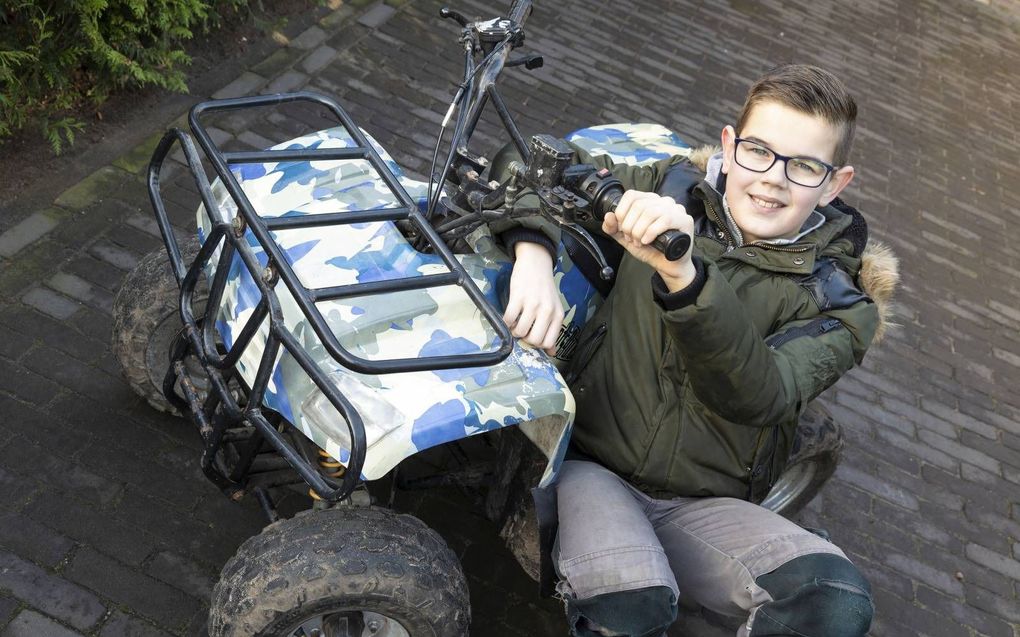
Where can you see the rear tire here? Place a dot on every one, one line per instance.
(309, 570)
(146, 319)
(813, 459)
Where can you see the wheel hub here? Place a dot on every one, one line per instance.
(348, 624)
(157, 355)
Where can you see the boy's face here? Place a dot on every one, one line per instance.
(768, 205)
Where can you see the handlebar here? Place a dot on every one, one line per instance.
(519, 10)
(493, 39)
(581, 191)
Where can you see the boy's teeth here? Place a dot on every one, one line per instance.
(765, 204)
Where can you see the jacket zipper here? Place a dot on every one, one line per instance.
(756, 468)
(772, 458)
(816, 327)
(721, 224)
(769, 246)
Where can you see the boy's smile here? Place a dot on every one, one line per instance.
(767, 205)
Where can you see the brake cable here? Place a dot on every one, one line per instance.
(458, 128)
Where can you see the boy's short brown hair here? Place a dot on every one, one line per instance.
(810, 90)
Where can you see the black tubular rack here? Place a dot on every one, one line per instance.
(220, 416)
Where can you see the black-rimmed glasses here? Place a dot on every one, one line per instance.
(803, 171)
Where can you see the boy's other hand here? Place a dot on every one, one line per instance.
(642, 216)
(534, 312)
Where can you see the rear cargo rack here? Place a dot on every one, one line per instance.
(221, 412)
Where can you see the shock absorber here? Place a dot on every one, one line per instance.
(330, 467)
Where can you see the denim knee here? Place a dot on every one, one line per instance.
(645, 612)
(818, 595)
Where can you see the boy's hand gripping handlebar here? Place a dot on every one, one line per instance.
(571, 193)
(604, 191)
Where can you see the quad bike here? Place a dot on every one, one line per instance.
(332, 318)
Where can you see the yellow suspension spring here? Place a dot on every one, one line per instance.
(331, 467)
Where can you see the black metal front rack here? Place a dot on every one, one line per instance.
(221, 419)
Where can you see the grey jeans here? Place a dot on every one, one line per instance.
(612, 538)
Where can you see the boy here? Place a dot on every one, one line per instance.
(692, 374)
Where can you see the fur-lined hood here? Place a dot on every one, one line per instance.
(880, 268)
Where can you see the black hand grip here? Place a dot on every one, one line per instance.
(673, 243)
(530, 62)
(450, 14)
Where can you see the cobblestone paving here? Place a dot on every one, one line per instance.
(107, 527)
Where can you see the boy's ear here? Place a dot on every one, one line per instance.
(729, 134)
(840, 179)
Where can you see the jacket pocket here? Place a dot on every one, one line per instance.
(816, 327)
(661, 438)
(762, 472)
(698, 453)
(585, 352)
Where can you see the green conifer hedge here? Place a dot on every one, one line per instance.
(57, 55)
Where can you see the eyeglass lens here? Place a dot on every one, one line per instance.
(799, 170)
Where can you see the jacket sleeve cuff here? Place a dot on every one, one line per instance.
(512, 237)
(669, 301)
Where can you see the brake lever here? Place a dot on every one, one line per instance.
(588, 243)
(450, 14)
(530, 62)
(567, 205)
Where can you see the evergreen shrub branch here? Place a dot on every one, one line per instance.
(59, 55)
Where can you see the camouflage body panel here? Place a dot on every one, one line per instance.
(405, 412)
(634, 144)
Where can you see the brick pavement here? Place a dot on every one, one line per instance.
(107, 527)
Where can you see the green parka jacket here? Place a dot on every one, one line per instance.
(698, 393)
